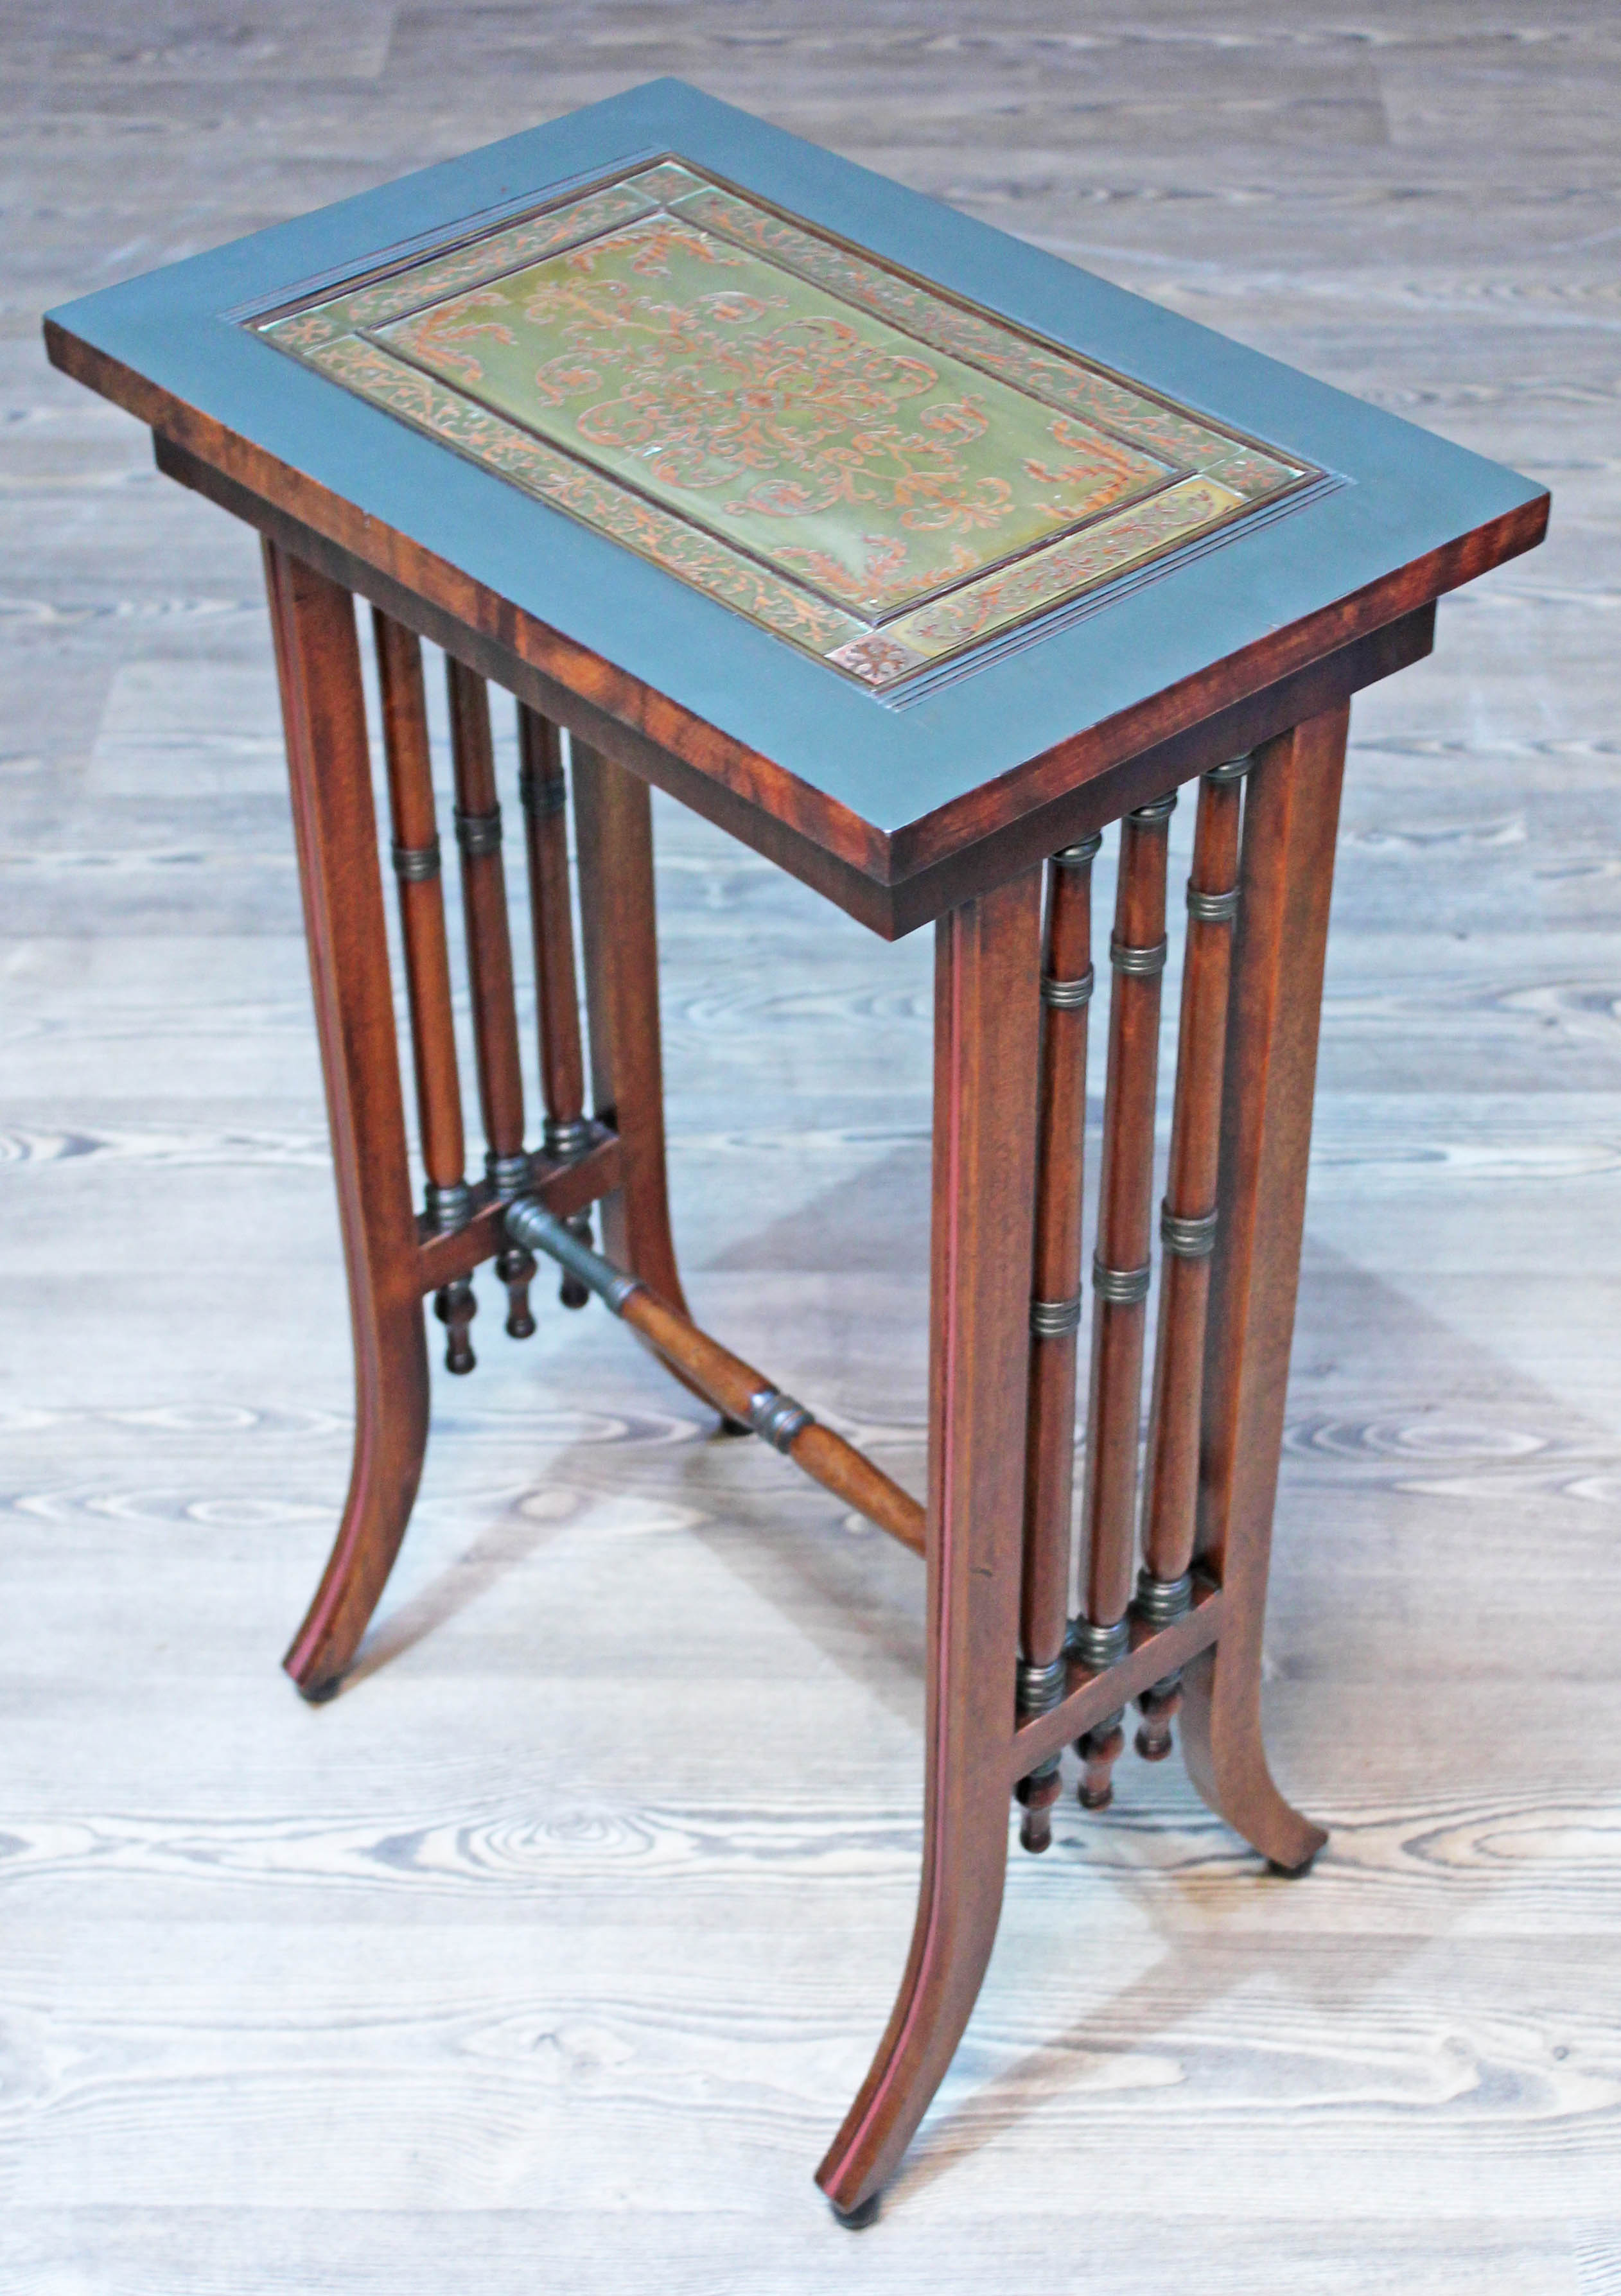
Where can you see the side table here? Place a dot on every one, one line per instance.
(914, 559)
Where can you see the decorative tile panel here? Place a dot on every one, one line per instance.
(873, 471)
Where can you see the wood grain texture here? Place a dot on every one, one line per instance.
(560, 1950)
(544, 787)
(617, 913)
(1170, 1495)
(892, 883)
(479, 829)
(1126, 1182)
(1044, 1611)
(987, 1038)
(1286, 879)
(421, 902)
(329, 769)
(700, 1362)
(564, 1188)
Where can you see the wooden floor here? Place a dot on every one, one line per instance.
(548, 1958)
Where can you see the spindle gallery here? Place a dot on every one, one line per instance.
(916, 559)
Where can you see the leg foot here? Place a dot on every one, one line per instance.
(1222, 1745)
(858, 2218)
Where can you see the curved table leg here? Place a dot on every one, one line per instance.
(1287, 871)
(614, 824)
(329, 767)
(986, 1023)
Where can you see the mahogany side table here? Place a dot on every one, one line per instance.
(914, 558)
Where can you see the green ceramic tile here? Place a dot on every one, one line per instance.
(818, 438)
(557, 479)
(441, 274)
(872, 469)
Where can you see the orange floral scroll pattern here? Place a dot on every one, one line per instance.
(757, 403)
(822, 443)
(446, 336)
(485, 258)
(1063, 570)
(790, 419)
(984, 342)
(574, 487)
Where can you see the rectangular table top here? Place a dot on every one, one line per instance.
(894, 528)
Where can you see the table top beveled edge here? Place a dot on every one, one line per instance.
(844, 858)
(1069, 766)
(890, 881)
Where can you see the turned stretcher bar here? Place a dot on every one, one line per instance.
(749, 1398)
(740, 1393)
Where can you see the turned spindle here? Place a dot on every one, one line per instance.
(516, 1270)
(421, 922)
(1101, 1636)
(543, 786)
(455, 1307)
(571, 1292)
(1100, 1750)
(489, 962)
(1055, 1312)
(1187, 1229)
(1037, 1793)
